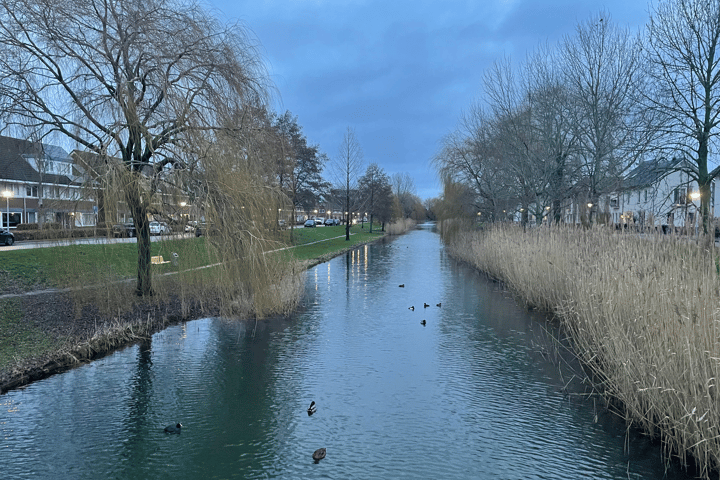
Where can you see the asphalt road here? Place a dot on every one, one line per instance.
(81, 241)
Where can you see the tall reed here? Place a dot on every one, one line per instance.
(643, 314)
(400, 226)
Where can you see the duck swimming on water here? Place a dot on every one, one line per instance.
(425, 305)
(312, 408)
(173, 428)
(423, 323)
(318, 455)
(402, 285)
(412, 308)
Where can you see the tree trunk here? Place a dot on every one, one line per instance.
(704, 180)
(142, 231)
(348, 217)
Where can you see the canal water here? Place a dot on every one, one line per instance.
(475, 393)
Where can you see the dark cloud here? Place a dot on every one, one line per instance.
(399, 72)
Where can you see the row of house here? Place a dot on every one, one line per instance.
(42, 183)
(657, 194)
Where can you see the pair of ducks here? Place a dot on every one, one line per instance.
(318, 454)
(425, 305)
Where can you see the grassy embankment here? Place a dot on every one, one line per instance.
(643, 314)
(109, 270)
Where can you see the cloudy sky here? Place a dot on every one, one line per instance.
(399, 72)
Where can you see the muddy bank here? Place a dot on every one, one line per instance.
(86, 335)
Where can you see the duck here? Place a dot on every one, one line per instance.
(439, 304)
(312, 408)
(173, 428)
(423, 323)
(319, 454)
(412, 308)
(402, 285)
(425, 305)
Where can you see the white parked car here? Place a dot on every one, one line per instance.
(159, 228)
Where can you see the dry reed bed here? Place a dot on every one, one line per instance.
(642, 312)
(400, 226)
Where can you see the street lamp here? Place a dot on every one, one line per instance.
(7, 194)
(694, 196)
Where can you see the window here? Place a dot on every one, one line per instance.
(614, 202)
(627, 199)
(679, 196)
(638, 196)
(646, 194)
(31, 191)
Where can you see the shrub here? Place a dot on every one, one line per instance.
(28, 226)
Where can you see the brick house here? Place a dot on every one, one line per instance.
(40, 183)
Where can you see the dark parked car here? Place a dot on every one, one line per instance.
(329, 222)
(201, 229)
(7, 238)
(123, 230)
(310, 223)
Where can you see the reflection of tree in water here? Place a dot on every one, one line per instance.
(246, 400)
(140, 399)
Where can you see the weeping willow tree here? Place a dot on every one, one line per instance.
(233, 183)
(133, 80)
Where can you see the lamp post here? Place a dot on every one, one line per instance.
(7, 194)
(694, 196)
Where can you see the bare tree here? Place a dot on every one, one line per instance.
(403, 187)
(125, 78)
(375, 190)
(551, 124)
(684, 49)
(347, 168)
(605, 74)
(532, 132)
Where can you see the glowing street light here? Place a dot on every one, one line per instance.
(7, 194)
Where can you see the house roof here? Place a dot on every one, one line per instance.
(14, 165)
(650, 172)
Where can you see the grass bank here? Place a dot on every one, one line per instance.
(643, 313)
(67, 304)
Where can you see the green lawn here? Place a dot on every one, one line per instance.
(62, 266)
(313, 243)
(20, 339)
(38, 268)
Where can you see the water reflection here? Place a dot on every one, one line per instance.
(474, 394)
